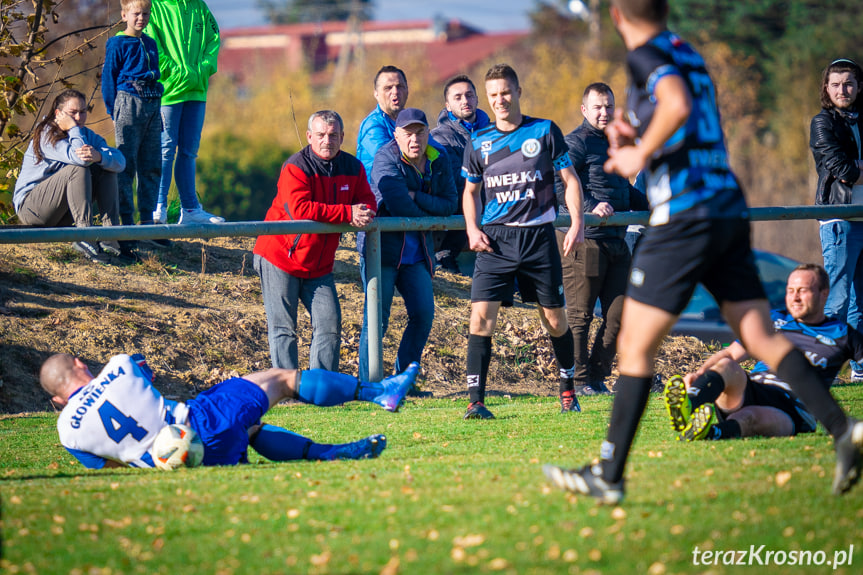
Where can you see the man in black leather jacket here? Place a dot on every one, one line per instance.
(835, 140)
(599, 267)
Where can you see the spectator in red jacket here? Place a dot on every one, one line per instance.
(324, 184)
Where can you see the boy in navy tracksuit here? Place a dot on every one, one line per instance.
(132, 97)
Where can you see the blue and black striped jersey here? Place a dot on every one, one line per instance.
(827, 345)
(517, 170)
(690, 176)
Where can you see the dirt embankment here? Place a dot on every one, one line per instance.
(195, 312)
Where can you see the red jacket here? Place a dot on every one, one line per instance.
(311, 188)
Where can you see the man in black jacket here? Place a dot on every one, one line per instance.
(599, 267)
(835, 142)
(455, 125)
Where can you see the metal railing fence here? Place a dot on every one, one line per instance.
(24, 235)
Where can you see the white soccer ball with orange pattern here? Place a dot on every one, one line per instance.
(177, 445)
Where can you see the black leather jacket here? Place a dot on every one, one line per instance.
(832, 142)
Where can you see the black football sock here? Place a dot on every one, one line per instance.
(478, 359)
(728, 429)
(705, 389)
(630, 399)
(564, 352)
(797, 372)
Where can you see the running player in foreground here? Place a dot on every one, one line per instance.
(516, 158)
(699, 232)
(111, 420)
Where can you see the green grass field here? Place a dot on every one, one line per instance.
(447, 496)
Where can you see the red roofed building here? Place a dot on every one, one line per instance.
(449, 47)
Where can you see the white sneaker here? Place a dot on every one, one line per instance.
(199, 216)
(160, 216)
(857, 375)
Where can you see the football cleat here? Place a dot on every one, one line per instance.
(396, 387)
(366, 448)
(677, 404)
(703, 418)
(569, 402)
(849, 458)
(478, 410)
(585, 481)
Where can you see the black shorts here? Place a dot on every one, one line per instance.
(673, 258)
(525, 254)
(760, 392)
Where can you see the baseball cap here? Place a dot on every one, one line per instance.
(410, 116)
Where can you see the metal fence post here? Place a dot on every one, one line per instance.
(373, 297)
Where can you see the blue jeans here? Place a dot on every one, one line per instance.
(842, 248)
(282, 294)
(181, 131)
(415, 286)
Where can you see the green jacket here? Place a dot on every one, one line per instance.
(187, 35)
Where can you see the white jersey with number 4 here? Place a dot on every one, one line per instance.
(117, 415)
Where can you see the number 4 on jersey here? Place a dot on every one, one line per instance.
(118, 425)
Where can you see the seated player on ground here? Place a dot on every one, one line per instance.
(111, 420)
(722, 401)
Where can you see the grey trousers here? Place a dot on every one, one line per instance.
(282, 293)
(138, 131)
(66, 198)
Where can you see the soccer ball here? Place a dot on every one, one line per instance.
(176, 446)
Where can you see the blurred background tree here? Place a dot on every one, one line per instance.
(42, 53)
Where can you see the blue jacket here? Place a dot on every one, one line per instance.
(376, 130)
(392, 178)
(129, 59)
(588, 150)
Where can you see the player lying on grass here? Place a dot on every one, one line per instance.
(722, 401)
(111, 420)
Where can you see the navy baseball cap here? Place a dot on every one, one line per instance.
(410, 116)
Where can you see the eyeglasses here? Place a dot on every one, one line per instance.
(75, 113)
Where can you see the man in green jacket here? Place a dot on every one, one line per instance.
(188, 39)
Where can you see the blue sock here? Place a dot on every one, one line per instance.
(369, 390)
(278, 444)
(327, 388)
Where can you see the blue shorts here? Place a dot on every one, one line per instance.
(222, 416)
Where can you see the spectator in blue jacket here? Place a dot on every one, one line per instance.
(378, 128)
(410, 179)
(456, 124)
